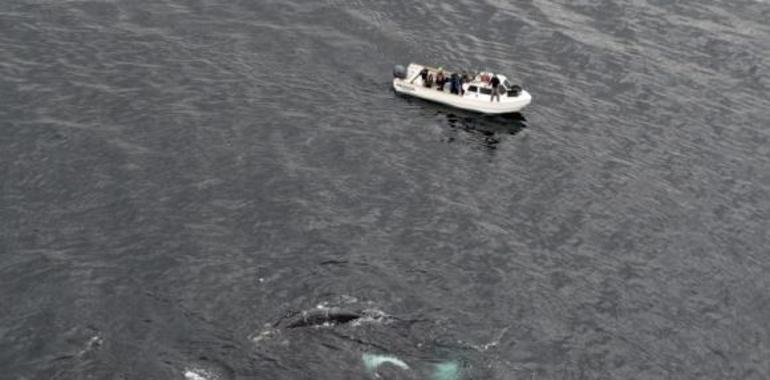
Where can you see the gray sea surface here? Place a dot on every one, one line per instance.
(180, 177)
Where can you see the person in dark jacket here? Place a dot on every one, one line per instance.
(428, 81)
(424, 75)
(454, 84)
(495, 82)
(440, 80)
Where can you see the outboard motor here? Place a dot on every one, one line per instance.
(399, 72)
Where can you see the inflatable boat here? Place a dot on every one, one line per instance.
(484, 92)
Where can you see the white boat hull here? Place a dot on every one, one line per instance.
(471, 101)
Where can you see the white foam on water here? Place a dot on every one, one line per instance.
(494, 342)
(95, 341)
(198, 374)
(190, 375)
(371, 316)
(266, 334)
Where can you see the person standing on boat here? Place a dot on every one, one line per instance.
(440, 80)
(428, 82)
(465, 78)
(424, 74)
(454, 84)
(495, 82)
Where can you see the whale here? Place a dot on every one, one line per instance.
(323, 316)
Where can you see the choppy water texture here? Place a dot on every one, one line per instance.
(179, 178)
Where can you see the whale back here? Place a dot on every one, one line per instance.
(322, 316)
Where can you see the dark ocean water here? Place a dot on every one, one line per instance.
(178, 176)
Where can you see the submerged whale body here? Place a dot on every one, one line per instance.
(323, 316)
(320, 316)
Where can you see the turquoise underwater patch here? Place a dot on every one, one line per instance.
(441, 371)
(446, 371)
(373, 361)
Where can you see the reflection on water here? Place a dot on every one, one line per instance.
(484, 130)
